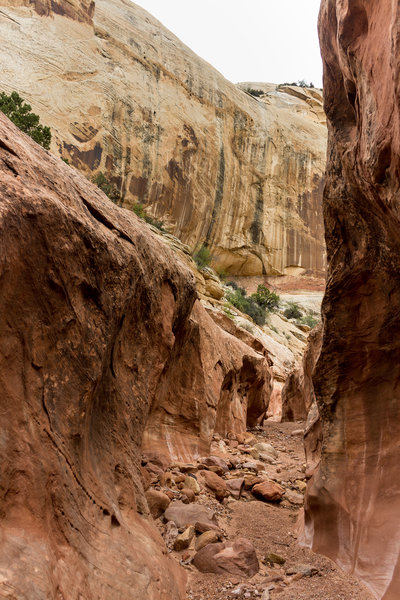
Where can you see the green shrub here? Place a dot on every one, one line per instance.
(232, 284)
(293, 311)
(228, 313)
(108, 188)
(139, 211)
(202, 257)
(310, 321)
(20, 113)
(255, 93)
(221, 273)
(247, 305)
(265, 298)
(301, 83)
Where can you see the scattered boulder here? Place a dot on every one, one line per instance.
(185, 467)
(249, 482)
(191, 483)
(208, 537)
(250, 466)
(215, 483)
(235, 487)
(266, 449)
(268, 458)
(294, 497)
(216, 464)
(202, 527)
(157, 459)
(237, 557)
(179, 478)
(190, 495)
(158, 502)
(184, 539)
(184, 515)
(268, 491)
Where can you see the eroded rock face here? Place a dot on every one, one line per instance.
(352, 503)
(213, 382)
(123, 95)
(90, 303)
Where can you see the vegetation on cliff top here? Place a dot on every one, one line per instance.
(20, 113)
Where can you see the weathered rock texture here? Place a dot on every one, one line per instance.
(94, 309)
(353, 502)
(298, 391)
(89, 307)
(125, 96)
(213, 382)
(79, 10)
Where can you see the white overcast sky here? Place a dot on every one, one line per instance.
(248, 40)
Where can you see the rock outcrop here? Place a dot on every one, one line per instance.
(298, 391)
(93, 308)
(123, 95)
(213, 382)
(352, 503)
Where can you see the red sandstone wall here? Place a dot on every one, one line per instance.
(353, 502)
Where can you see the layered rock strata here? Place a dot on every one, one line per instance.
(123, 95)
(94, 308)
(353, 504)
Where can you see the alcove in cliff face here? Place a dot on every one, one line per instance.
(353, 500)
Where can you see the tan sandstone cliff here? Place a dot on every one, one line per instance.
(353, 501)
(98, 316)
(123, 95)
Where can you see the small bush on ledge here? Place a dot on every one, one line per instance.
(310, 321)
(107, 187)
(265, 298)
(293, 311)
(202, 257)
(248, 305)
(139, 211)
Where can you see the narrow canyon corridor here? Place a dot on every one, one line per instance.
(199, 310)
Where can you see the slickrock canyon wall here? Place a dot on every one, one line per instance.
(95, 310)
(353, 502)
(123, 95)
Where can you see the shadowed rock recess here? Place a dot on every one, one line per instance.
(124, 96)
(353, 502)
(96, 312)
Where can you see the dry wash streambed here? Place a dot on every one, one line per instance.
(244, 521)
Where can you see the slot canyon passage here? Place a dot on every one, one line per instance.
(180, 416)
